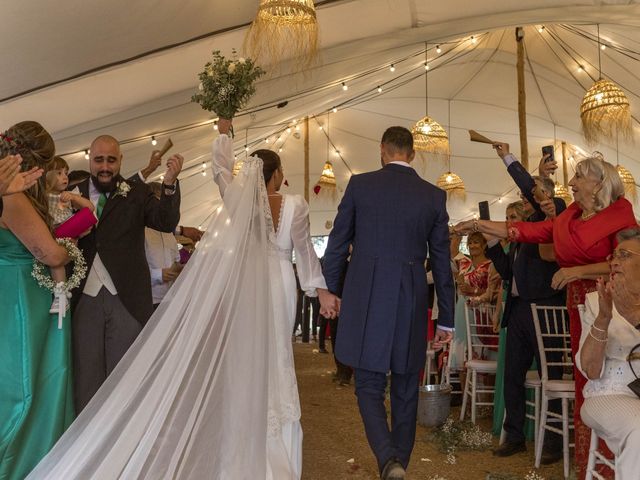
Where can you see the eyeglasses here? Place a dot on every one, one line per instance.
(621, 254)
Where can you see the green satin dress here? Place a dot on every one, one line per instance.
(36, 395)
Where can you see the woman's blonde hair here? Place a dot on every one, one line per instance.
(58, 163)
(518, 207)
(611, 187)
(33, 143)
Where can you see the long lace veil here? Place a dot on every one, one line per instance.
(189, 399)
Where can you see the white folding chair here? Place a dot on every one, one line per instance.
(480, 340)
(430, 367)
(597, 458)
(554, 340)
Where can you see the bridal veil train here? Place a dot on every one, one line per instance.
(196, 396)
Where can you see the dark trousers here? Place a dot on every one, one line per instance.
(310, 311)
(102, 332)
(343, 372)
(398, 441)
(521, 349)
(322, 334)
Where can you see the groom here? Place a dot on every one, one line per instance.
(392, 218)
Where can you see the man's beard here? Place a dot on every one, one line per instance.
(105, 187)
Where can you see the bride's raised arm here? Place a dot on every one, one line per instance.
(222, 155)
(307, 264)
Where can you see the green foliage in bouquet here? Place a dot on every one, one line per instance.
(226, 85)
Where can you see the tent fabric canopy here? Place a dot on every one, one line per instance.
(140, 86)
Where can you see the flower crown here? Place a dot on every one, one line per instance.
(11, 143)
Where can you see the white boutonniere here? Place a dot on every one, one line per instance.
(122, 189)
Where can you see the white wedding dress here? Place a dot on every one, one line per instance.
(208, 390)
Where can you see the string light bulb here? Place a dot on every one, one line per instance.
(215, 125)
(344, 87)
(154, 142)
(246, 148)
(334, 109)
(426, 66)
(603, 47)
(541, 28)
(392, 68)
(474, 39)
(438, 49)
(86, 154)
(379, 89)
(297, 128)
(288, 129)
(280, 150)
(266, 140)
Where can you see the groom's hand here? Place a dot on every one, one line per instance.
(441, 338)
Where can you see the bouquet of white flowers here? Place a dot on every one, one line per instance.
(227, 85)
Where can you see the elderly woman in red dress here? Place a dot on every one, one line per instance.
(583, 236)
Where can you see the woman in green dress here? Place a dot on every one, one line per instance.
(36, 403)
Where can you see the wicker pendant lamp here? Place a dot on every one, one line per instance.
(326, 184)
(428, 135)
(284, 29)
(605, 109)
(629, 183)
(562, 192)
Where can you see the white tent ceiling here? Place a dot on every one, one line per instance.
(129, 69)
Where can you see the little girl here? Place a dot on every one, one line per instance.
(62, 205)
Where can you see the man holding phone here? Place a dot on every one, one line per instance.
(528, 276)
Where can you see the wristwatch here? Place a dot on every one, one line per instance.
(169, 189)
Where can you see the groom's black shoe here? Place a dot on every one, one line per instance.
(393, 470)
(509, 448)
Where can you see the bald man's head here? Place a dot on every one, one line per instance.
(105, 162)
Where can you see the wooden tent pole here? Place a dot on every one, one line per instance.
(565, 172)
(306, 159)
(522, 99)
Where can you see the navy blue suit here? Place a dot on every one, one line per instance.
(392, 218)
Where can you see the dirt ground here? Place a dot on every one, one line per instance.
(335, 446)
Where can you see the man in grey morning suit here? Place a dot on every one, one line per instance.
(392, 218)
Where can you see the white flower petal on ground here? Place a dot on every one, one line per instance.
(351, 460)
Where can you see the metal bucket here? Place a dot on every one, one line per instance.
(434, 404)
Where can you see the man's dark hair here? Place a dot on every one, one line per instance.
(398, 138)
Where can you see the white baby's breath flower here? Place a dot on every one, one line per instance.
(241, 60)
(201, 87)
(231, 68)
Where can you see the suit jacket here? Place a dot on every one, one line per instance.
(532, 274)
(392, 218)
(119, 239)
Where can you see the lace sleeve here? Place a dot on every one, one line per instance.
(307, 263)
(222, 164)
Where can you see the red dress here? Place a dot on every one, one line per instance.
(578, 242)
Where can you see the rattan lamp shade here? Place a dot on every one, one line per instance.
(429, 136)
(630, 191)
(604, 111)
(284, 29)
(452, 184)
(562, 192)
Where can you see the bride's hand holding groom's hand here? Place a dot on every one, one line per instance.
(329, 303)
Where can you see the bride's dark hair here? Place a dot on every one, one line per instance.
(270, 162)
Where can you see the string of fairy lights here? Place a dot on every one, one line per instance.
(402, 70)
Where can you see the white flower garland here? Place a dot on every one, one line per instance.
(41, 274)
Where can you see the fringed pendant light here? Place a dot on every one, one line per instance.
(428, 135)
(630, 191)
(605, 109)
(453, 185)
(284, 29)
(327, 181)
(562, 192)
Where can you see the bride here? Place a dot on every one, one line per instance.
(208, 391)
